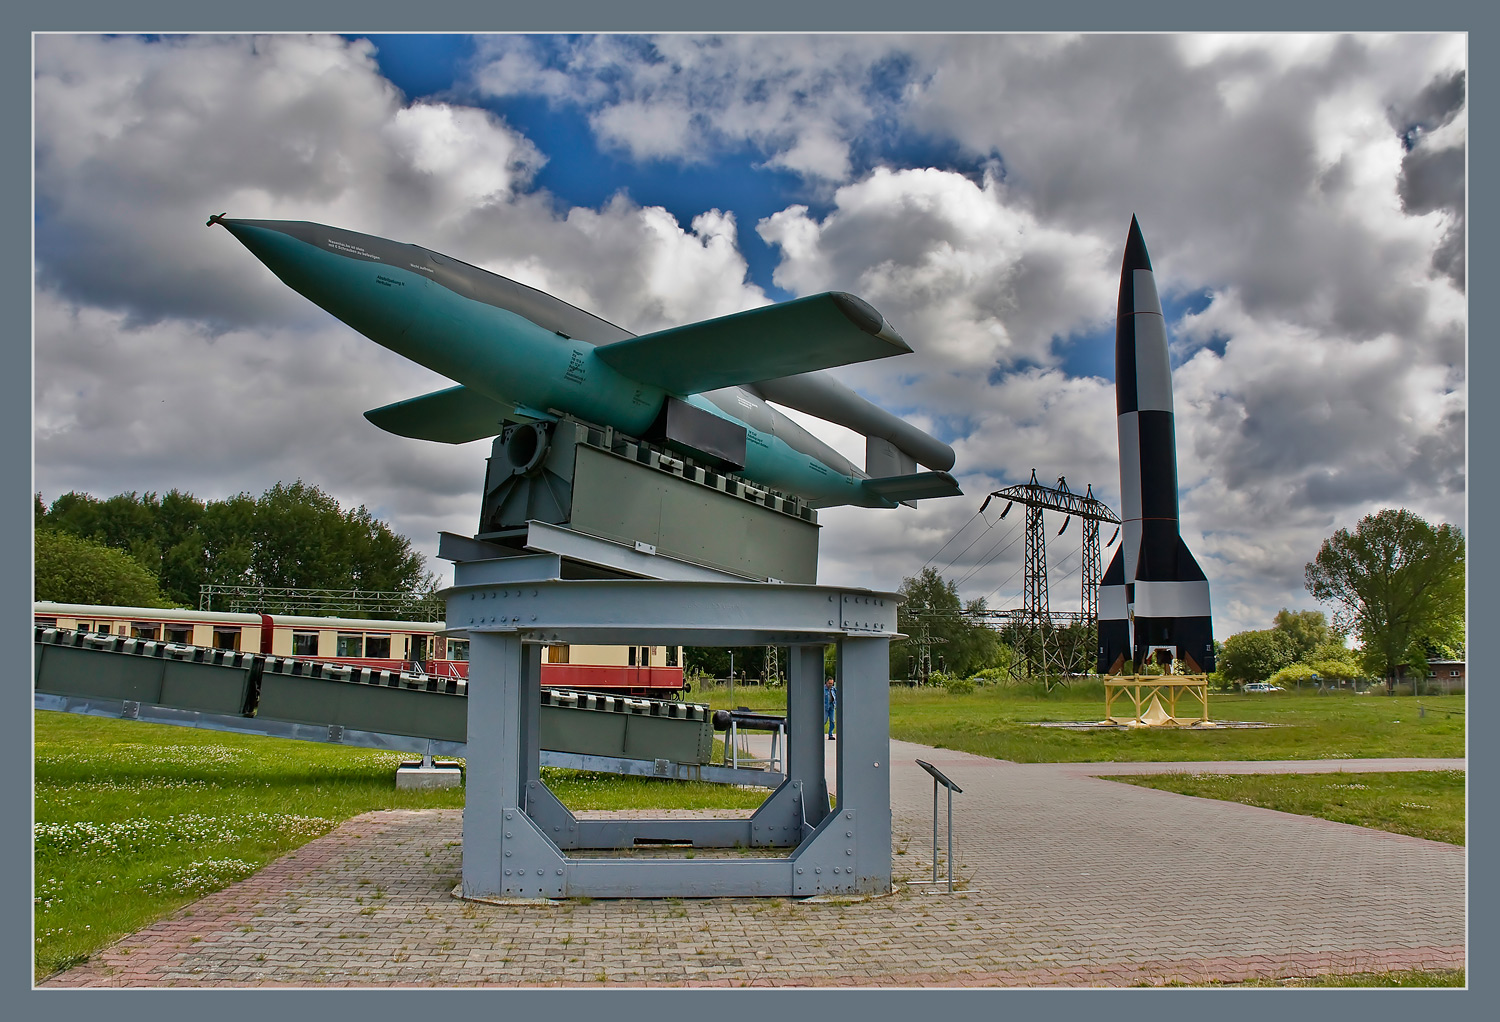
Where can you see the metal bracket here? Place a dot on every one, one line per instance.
(826, 864)
(551, 817)
(530, 865)
(779, 820)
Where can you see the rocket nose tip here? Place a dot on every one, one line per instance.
(1136, 256)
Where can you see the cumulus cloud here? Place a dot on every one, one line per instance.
(1302, 195)
(167, 356)
(800, 100)
(122, 406)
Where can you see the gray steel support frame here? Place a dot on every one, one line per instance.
(517, 834)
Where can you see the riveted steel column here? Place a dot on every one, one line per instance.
(804, 729)
(531, 716)
(494, 767)
(864, 741)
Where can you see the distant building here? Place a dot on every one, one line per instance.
(1450, 674)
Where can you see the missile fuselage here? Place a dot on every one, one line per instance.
(532, 355)
(1153, 597)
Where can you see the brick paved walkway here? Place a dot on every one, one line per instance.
(1072, 881)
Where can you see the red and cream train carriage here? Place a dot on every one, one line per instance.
(383, 645)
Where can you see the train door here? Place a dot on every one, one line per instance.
(419, 651)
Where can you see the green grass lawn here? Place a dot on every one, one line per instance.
(994, 722)
(135, 820)
(1421, 803)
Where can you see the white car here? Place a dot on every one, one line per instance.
(1263, 686)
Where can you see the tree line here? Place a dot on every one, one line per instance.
(137, 549)
(1398, 584)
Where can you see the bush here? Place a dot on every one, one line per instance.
(1292, 674)
(74, 570)
(990, 676)
(958, 686)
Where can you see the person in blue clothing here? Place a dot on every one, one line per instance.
(830, 707)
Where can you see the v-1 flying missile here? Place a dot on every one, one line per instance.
(1153, 596)
(521, 355)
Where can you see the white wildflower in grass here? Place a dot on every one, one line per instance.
(202, 877)
(134, 754)
(84, 837)
(1350, 787)
(1414, 805)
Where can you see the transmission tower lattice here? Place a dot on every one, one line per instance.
(1092, 571)
(1041, 657)
(773, 665)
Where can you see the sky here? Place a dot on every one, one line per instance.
(1302, 197)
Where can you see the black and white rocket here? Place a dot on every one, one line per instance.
(1153, 599)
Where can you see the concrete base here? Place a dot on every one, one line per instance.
(439, 775)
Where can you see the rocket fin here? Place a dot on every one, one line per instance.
(1115, 574)
(917, 486)
(453, 416)
(799, 336)
(1180, 566)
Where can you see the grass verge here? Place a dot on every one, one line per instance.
(995, 721)
(1421, 803)
(1401, 978)
(134, 821)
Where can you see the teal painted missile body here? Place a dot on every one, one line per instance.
(520, 355)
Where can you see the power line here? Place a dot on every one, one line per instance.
(953, 537)
(987, 558)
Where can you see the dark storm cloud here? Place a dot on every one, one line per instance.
(1434, 179)
(1437, 104)
(1433, 172)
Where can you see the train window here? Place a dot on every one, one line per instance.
(46, 622)
(103, 628)
(142, 630)
(378, 646)
(180, 634)
(304, 644)
(458, 649)
(351, 645)
(227, 638)
(630, 657)
(673, 653)
(557, 654)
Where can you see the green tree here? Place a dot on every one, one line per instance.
(1335, 663)
(1294, 676)
(1307, 629)
(294, 536)
(1255, 656)
(1402, 581)
(933, 605)
(749, 661)
(74, 570)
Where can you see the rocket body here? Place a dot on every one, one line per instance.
(1153, 598)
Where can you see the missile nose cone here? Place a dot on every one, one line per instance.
(1136, 256)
